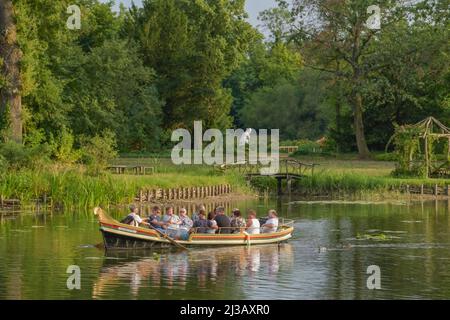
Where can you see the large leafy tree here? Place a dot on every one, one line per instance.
(193, 46)
(339, 41)
(335, 38)
(83, 81)
(111, 89)
(266, 65)
(297, 108)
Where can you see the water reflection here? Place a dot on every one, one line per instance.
(175, 270)
(413, 254)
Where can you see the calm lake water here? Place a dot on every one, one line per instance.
(327, 258)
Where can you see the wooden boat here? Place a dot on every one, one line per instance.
(117, 235)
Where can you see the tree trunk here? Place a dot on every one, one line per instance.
(363, 150)
(10, 98)
(338, 120)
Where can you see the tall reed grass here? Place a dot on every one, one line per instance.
(329, 182)
(73, 188)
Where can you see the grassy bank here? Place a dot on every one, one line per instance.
(348, 176)
(71, 187)
(326, 182)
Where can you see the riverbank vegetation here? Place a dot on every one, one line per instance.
(143, 71)
(73, 188)
(72, 100)
(346, 175)
(78, 177)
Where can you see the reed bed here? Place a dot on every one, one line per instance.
(73, 188)
(326, 182)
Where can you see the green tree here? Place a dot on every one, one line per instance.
(193, 46)
(340, 34)
(297, 108)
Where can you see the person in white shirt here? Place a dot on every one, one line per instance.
(133, 219)
(186, 222)
(252, 225)
(271, 224)
(171, 220)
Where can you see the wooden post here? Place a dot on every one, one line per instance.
(279, 190)
(407, 188)
(448, 149)
(436, 190)
(426, 157)
(140, 196)
(447, 190)
(421, 189)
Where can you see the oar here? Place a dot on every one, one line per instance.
(171, 240)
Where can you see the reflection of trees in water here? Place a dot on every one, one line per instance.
(196, 272)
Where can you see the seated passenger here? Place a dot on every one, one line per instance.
(201, 224)
(223, 222)
(186, 224)
(155, 219)
(271, 224)
(253, 226)
(133, 218)
(198, 208)
(237, 222)
(212, 226)
(171, 223)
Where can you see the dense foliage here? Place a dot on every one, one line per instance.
(143, 71)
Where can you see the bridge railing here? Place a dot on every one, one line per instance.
(287, 166)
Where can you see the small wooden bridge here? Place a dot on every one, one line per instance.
(290, 170)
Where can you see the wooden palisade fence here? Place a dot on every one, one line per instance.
(183, 193)
(435, 190)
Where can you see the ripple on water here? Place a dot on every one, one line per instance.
(35, 266)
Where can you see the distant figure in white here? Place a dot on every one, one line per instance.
(245, 137)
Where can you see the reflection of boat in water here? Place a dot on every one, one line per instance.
(117, 235)
(175, 271)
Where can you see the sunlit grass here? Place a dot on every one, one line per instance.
(71, 187)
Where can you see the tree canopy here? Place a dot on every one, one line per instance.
(135, 75)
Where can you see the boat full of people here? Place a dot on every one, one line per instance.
(215, 228)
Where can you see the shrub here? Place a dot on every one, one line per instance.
(264, 183)
(307, 147)
(63, 149)
(98, 151)
(386, 157)
(18, 156)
